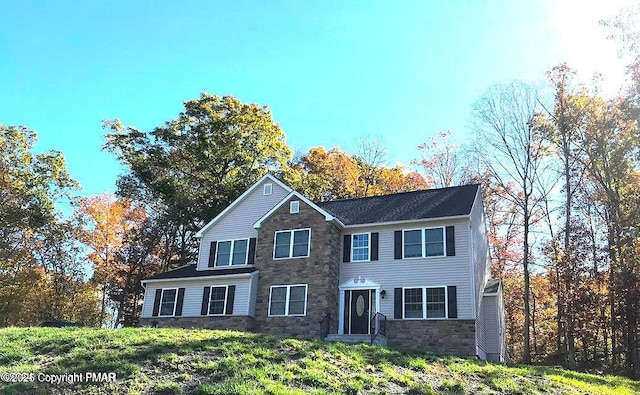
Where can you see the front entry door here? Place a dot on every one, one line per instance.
(358, 304)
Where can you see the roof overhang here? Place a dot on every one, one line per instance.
(221, 276)
(240, 199)
(328, 217)
(411, 221)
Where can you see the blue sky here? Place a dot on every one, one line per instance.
(331, 72)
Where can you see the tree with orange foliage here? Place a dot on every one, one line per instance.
(334, 174)
(111, 229)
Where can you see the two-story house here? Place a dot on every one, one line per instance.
(411, 269)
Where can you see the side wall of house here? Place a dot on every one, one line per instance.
(238, 223)
(319, 272)
(479, 250)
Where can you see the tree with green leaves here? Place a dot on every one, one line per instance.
(40, 273)
(189, 169)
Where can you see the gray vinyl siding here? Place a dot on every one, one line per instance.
(194, 289)
(479, 250)
(490, 313)
(238, 222)
(435, 271)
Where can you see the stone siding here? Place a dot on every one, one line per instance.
(319, 271)
(449, 337)
(232, 322)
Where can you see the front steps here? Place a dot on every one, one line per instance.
(379, 340)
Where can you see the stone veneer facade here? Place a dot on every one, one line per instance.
(233, 322)
(449, 337)
(319, 271)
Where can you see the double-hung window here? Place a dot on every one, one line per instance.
(292, 243)
(218, 300)
(288, 300)
(425, 302)
(360, 247)
(427, 242)
(232, 252)
(168, 301)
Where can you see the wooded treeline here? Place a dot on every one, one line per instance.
(559, 169)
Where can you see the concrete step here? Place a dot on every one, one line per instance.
(379, 340)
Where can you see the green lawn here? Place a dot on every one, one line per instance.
(174, 361)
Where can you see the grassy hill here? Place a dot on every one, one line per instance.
(173, 361)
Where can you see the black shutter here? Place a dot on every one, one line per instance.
(397, 244)
(374, 246)
(452, 302)
(156, 303)
(231, 293)
(397, 303)
(451, 241)
(252, 251)
(179, 302)
(346, 249)
(212, 253)
(205, 301)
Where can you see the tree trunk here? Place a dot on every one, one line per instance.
(527, 314)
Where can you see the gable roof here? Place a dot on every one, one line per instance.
(240, 199)
(493, 284)
(327, 216)
(405, 206)
(189, 271)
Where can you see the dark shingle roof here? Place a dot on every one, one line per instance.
(189, 271)
(492, 286)
(431, 203)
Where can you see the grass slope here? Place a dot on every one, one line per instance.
(173, 361)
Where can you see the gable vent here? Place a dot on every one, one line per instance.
(267, 189)
(294, 207)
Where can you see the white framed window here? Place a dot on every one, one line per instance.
(267, 189)
(420, 243)
(288, 300)
(294, 207)
(168, 302)
(292, 243)
(232, 252)
(218, 300)
(424, 302)
(361, 247)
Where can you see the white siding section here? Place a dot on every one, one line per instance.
(436, 271)
(479, 250)
(238, 223)
(194, 291)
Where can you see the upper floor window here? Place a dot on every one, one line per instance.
(424, 242)
(294, 207)
(267, 189)
(360, 247)
(287, 300)
(168, 301)
(232, 252)
(425, 302)
(292, 243)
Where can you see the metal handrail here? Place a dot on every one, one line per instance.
(379, 323)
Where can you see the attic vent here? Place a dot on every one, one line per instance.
(268, 189)
(294, 207)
